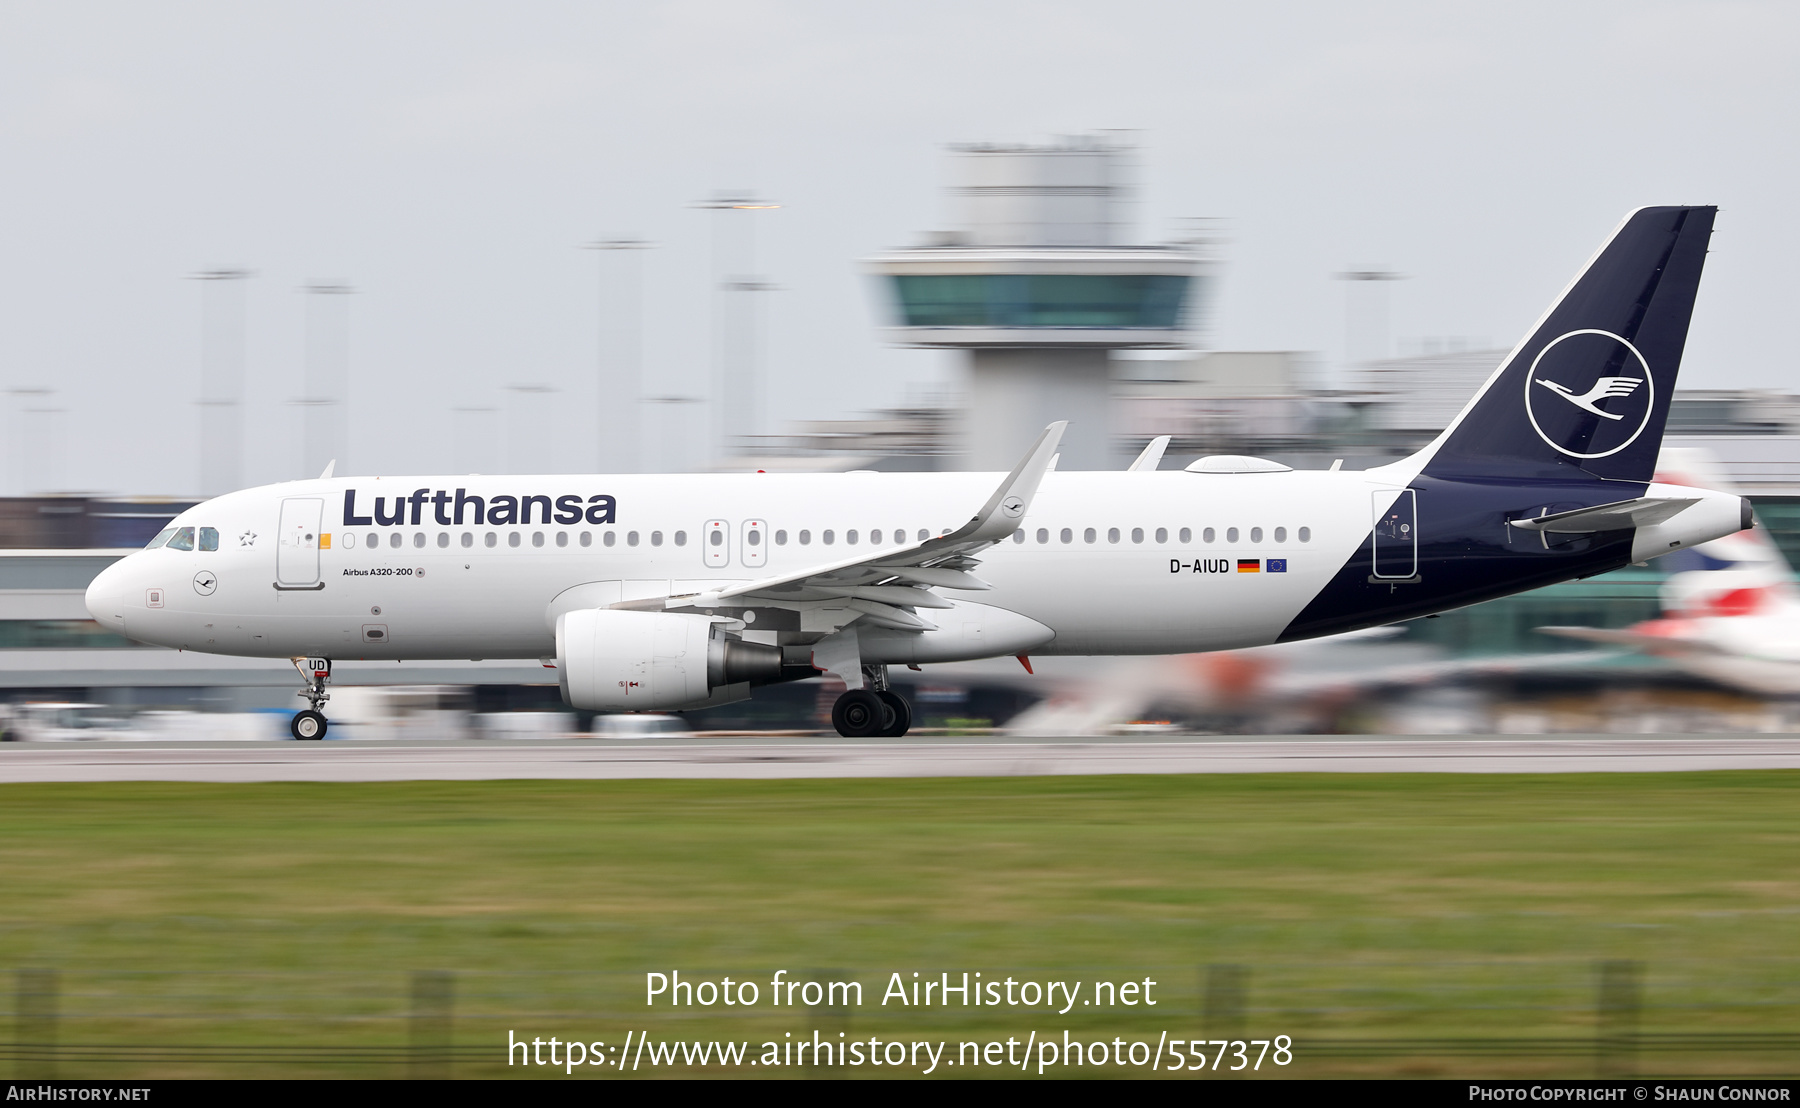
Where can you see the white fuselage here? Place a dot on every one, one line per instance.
(1123, 581)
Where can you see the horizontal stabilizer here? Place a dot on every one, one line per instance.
(1618, 516)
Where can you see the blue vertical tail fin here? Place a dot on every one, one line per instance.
(1586, 394)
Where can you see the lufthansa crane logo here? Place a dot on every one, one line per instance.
(1013, 507)
(1603, 394)
(1605, 388)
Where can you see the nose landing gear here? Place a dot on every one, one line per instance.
(874, 711)
(311, 723)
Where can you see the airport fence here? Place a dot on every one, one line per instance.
(1501, 1018)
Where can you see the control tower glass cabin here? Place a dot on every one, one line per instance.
(1039, 285)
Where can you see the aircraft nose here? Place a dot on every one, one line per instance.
(107, 595)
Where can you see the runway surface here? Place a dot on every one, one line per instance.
(578, 759)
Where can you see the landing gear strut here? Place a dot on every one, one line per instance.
(311, 723)
(874, 711)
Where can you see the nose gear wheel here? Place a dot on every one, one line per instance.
(311, 723)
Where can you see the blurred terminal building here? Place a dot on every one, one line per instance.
(1058, 312)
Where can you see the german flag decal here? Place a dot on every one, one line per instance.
(1249, 565)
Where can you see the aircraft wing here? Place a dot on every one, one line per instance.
(888, 586)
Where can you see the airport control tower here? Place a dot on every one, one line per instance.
(1040, 284)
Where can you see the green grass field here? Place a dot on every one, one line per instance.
(1430, 925)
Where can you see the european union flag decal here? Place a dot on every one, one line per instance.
(1276, 565)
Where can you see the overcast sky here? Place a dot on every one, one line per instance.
(448, 160)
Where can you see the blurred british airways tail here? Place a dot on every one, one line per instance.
(1730, 609)
(1738, 575)
(1586, 394)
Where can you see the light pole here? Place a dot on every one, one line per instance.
(327, 419)
(33, 444)
(1365, 315)
(475, 446)
(736, 398)
(222, 379)
(667, 432)
(527, 422)
(620, 376)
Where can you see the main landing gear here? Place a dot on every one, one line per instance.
(311, 723)
(871, 712)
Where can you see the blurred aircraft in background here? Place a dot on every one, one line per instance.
(1287, 688)
(1731, 609)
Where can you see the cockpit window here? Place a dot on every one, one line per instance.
(209, 538)
(183, 540)
(162, 537)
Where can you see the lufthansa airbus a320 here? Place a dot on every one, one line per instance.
(676, 592)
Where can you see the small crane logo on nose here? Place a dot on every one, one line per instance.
(205, 582)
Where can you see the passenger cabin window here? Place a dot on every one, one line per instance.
(805, 538)
(394, 540)
(1305, 534)
(611, 538)
(468, 539)
(512, 538)
(562, 538)
(1088, 535)
(162, 537)
(1137, 534)
(850, 537)
(1067, 535)
(587, 538)
(1188, 536)
(537, 538)
(924, 534)
(489, 539)
(1256, 534)
(209, 538)
(828, 537)
(1281, 534)
(656, 538)
(1043, 535)
(753, 537)
(1205, 536)
(781, 538)
(681, 538)
(443, 538)
(631, 538)
(1019, 535)
(1112, 534)
(1162, 534)
(1231, 534)
(183, 540)
(875, 537)
(419, 540)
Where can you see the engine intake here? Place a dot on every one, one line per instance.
(622, 661)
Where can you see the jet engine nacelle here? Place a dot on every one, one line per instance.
(610, 660)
